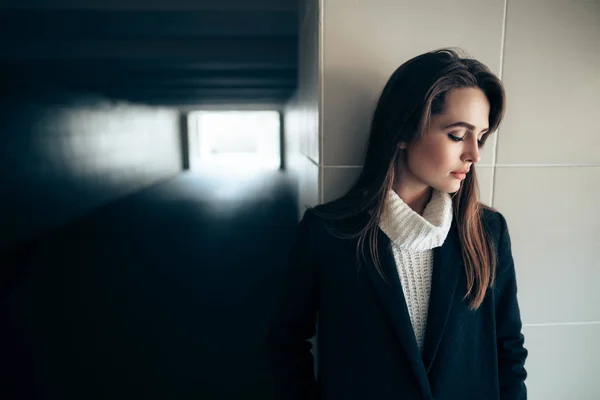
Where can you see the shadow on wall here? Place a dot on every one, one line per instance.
(65, 153)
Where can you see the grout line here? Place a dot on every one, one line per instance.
(546, 165)
(501, 72)
(320, 85)
(562, 324)
(503, 43)
(493, 185)
(342, 166)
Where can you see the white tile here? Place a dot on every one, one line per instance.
(487, 153)
(485, 177)
(553, 220)
(365, 42)
(552, 78)
(337, 181)
(563, 362)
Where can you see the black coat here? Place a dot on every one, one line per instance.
(366, 343)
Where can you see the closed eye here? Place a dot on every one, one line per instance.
(460, 139)
(455, 138)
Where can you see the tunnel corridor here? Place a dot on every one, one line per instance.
(126, 272)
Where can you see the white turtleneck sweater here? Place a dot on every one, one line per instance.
(413, 239)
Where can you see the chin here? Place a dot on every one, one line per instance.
(447, 188)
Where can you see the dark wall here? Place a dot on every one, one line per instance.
(64, 153)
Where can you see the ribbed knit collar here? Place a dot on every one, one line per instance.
(411, 231)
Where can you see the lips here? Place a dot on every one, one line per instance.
(460, 174)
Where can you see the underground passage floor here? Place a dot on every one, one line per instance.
(164, 294)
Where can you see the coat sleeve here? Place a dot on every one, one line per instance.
(510, 340)
(293, 322)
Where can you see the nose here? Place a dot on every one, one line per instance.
(471, 153)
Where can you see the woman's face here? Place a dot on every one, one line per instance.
(443, 155)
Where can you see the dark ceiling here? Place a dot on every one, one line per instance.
(163, 52)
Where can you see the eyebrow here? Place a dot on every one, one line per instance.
(465, 125)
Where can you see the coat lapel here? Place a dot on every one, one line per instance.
(447, 267)
(392, 299)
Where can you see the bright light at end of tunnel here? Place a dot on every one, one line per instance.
(235, 141)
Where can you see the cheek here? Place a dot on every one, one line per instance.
(422, 165)
(432, 157)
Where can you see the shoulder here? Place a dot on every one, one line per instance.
(497, 228)
(312, 221)
(494, 223)
(313, 226)
(326, 229)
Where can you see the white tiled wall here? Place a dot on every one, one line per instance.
(552, 75)
(555, 231)
(563, 361)
(485, 177)
(547, 184)
(336, 181)
(541, 170)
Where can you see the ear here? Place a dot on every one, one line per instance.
(402, 145)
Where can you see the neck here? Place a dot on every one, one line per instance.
(412, 231)
(415, 197)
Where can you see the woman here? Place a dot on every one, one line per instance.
(408, 280)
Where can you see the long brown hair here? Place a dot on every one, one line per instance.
(413, 94)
